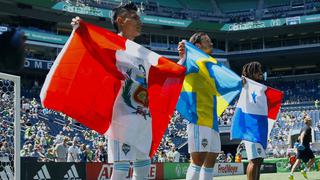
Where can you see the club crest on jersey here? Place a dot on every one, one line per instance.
(126, 148)
(259, 150)
(204, 142)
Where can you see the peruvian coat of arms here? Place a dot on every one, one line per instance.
(140, 92)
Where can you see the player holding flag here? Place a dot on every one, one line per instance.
(256, 112)
(208, 89)
(131, 132)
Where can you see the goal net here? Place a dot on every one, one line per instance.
(9, 127)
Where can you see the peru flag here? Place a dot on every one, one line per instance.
(114, 86)
(256, 112)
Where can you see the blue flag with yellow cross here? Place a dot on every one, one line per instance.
(208, 88)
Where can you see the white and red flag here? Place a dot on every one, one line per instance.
(102, 79)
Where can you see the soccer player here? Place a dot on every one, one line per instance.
(255, 152)
(204, 142)
(304, 152)
(126, 21)
(127, 142)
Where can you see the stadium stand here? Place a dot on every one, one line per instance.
(43, 129)
(271, 3)
(202, 5)
(299, 91)
(169, 3)
(237, 6)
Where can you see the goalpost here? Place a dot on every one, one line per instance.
(10, 116)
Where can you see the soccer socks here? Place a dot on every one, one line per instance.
(141, 169)
(196, 172)
(206, 173)
(120, 170)
(193, 172)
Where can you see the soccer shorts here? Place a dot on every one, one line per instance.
(254, 150)
(305, 155)
(118, 151)
(203, 139)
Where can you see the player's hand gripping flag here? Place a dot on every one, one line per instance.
(84, 82)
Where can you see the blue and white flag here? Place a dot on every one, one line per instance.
(256, 112)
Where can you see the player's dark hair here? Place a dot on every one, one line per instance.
(121, 9)
(197, 37)
(249, 69)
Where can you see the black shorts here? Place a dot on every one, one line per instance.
(305, 155)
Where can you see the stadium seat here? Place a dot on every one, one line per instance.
(270, 3)
(232, 6)
(202, 5)
(170, 3)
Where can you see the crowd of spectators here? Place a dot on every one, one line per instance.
(168, 155)
(72, 143)
(52, 136)
(225, 158)
(279, 140)
(176, 135)
(298, 91)
(38, 140)
(226, 117)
